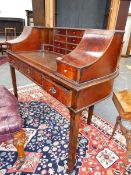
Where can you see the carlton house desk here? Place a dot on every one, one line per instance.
(76, 66)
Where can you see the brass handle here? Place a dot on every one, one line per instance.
(52, 90)
(65, 70)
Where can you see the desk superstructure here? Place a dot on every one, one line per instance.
(76, 66)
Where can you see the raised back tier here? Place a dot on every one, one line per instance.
(84, 54)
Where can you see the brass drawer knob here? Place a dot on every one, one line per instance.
(65, 70)
(52, 90)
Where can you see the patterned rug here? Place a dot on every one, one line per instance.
(46, 122)
(3, 59)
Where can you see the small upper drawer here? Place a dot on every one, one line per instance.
(73, 32)
(60, 31)
(73, 40)
(59, 44)
(60, 38)
(59, 50)
(62, 94)
(48, 47)
(71, 46)
(67, 71)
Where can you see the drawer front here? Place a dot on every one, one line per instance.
(37, 77)
(60, 38)
(59, 50)
(60, 31)
(22, 67)
(59, 44)
(67, 71)
(57, 91)
(27, 70)
(71, 46)
(78, 33)
(73, 40)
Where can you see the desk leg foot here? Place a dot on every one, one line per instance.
(73, 136)
(69, 171)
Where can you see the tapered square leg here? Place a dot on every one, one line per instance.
(73, 138)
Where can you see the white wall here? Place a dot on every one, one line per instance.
(15, 8)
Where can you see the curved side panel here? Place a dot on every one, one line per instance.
(94, 93)
(27, 41)
(107, 63)
(92, 46)
(91, 96)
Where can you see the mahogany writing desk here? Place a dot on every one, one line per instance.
(76, 66)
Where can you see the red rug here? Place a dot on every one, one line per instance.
(102, 157)
(3, 59)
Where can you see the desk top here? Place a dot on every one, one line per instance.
(42, 58)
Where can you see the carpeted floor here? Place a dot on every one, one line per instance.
(46, 122)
